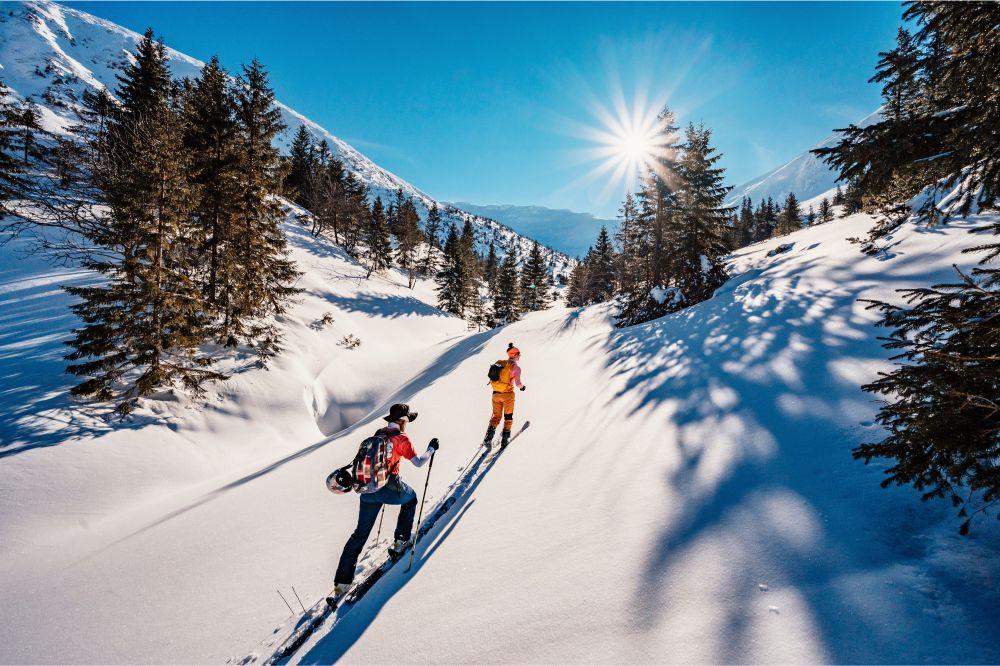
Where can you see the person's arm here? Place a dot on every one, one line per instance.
(515, 375)
(406, 449)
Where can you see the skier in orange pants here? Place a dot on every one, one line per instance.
(504, 376)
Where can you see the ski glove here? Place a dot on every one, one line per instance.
(523, 387)
(433, 445)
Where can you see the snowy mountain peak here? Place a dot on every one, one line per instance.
(52, 53)
(806, 175)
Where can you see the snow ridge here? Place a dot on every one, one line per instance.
(806, 175)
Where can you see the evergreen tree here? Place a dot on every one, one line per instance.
(301, 166)
(142, 325)
(378, 247)
(938, 132)
(838, 198)
(702, 216)
(791, 217)
(601, 270)
(210, 138)
(810, 217)
(941, 409)
(491, 266)
(744, 226)
(506, 295)
(536, 281)
(408, 238)
(825, 211)
(578, 292)
(264, 277)
(432, 227)
(656, 236)
(13, 182)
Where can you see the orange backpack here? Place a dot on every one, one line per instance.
(499, 376)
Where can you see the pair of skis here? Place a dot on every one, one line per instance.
(320, 612)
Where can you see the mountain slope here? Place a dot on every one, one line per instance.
(806, 175)
(52, 53)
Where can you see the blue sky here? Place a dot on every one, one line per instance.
(490, 102)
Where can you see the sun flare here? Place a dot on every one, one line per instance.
(627, 144)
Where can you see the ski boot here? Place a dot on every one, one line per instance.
(504, 438)
(340, 589)
(488, 439)
(398, 549)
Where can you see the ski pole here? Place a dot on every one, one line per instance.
(413, 549)
(380, 517)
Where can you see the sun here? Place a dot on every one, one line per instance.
(626, 145)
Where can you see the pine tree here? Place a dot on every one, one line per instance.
(942, 409)
(578, 292)
(838, 198)
(143, 324)
(264, 276)
(506, 295)
(13, 182)
(408, 239)
(939, 130)
(744, 226)
(791, 217)
(210, 139)
(825, 211)
(378, 247)
(702, 217)
(491, 266)
(601, 270)
(301, 165)
(535, 281)
(810, 217)
(432, 227)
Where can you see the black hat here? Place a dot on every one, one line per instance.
(400, 410)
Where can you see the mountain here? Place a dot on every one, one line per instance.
(52, 53)
(569, 232)
(806, 175)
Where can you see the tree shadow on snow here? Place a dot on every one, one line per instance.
(766, 470)
(384, 305)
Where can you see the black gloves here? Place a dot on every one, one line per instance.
(523, 387)
(434, 444)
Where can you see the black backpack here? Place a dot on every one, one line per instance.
(495, 370)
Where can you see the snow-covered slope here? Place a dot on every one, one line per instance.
(685, 492)
(52, 53)
(564, 230)
(806, 175)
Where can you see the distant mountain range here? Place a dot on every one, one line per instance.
(564, 230)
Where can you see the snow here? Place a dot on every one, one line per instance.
(685, 492)
(671, 470)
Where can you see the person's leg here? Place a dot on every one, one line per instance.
(508, 417)
(497, 402)
(356, 543)
(408, 502)
(494, 421)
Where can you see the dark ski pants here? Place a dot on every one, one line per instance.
(395, 492)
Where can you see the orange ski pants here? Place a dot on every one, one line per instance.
(503, 405)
